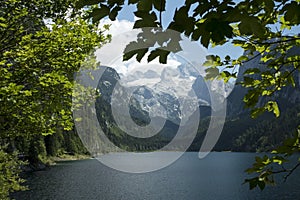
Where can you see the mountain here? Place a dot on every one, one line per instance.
(114, 122)
(242, 133)
(162, 93)
(156, 95)
(156, 102)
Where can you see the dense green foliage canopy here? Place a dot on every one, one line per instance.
(42, 44)
(37, 67)
(259, 27)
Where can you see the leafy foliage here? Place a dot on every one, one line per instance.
(37, 66)
(37, 78)
(267, 166)
(9, 177)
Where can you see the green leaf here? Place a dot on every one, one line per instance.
(252, 182)
(248, 81)
(291, 80)
(144, 5)
(269, 5)
(140, 53)
(205, 38)
(182, 22)
(148, 20)
(113, 14)
(133, 1)
(159, 5)
(242, 58)
(212, 73)
(212, 61)
(251, 26)
(261, 185)
(99, 13)
(252, 71)
(273, 106)
(279, 160)
(161, 53)
(219, 30)
(292, 14)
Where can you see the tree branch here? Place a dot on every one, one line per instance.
(160, 13)
(291, 171)
(276, 42)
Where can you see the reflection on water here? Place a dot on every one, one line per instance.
(218, 176)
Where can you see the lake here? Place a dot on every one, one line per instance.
(218, 176)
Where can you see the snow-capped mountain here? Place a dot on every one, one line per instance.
(172, 93)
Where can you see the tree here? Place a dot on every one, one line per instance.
(257, 26)
(37, 66)
(9, 176)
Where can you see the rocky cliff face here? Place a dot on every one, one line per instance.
(161, 94)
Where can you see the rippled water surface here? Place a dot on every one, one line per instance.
(218, 176)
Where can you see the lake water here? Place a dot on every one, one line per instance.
(217, 176)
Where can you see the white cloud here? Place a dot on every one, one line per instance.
(118, 26)
(111, 54)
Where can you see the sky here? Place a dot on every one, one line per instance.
(127, 14)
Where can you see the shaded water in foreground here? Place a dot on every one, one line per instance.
(218, 176)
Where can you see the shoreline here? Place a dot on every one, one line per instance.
(65, 157)
(52, 161)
